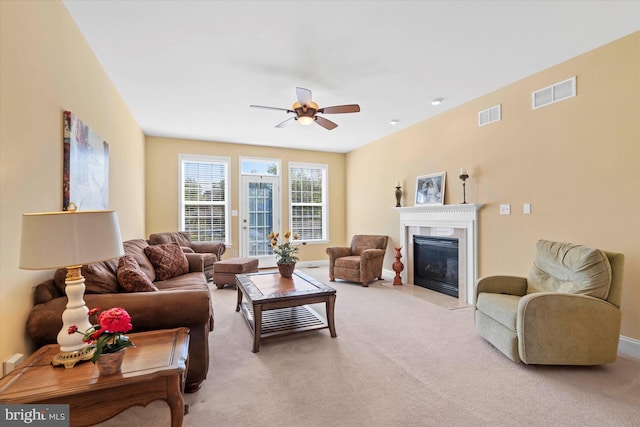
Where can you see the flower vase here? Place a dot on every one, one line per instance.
(110, 363)
(286, 269)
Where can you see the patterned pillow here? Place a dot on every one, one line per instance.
(131, 276)
(168, 260)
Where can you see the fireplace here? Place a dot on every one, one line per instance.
(457, 222)
(435, 264)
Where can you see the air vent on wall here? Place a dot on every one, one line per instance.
(490, 115)
(554, 93)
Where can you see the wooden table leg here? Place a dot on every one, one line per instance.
(331, 302)
(239, 298)
(175, 399)
(257, 327)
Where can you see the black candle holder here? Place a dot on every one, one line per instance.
(464, 177)
(398, 197)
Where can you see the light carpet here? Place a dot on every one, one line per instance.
(404, 356)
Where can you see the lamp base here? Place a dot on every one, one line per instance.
(70, 358)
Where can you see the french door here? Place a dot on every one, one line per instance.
(260, 215)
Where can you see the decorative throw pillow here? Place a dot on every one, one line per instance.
(168, 260)
(131, 276)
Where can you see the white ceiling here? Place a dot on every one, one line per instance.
(190, 69)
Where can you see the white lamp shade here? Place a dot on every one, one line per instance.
(63, 239)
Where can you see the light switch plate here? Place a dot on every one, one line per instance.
(526, 208)
(505, 209)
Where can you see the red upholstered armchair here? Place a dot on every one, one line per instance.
(361, 262)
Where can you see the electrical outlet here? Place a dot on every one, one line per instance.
(234, 253)
(12, 363)
(505, 209)
(526, 208)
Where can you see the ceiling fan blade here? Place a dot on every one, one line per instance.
(304, 96)
(286, 122)
(339, 109)
(272, 108)
(327, 124)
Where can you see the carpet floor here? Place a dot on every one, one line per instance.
(404, 356)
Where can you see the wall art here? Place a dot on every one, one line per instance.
(85, 179)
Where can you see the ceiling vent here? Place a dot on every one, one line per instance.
(554, 93)
(490, 115)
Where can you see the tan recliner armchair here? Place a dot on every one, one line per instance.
(361, 262)
(566, 312)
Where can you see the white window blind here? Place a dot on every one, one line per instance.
(308, 195)
(204, 197)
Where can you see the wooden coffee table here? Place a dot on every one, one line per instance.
(286, 301)
(154, 369)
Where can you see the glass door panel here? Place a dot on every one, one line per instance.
(260, 216)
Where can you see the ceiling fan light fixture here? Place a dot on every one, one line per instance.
(305, 120)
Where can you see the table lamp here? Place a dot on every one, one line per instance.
(70, 239)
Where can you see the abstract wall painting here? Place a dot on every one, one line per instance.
(86, 166)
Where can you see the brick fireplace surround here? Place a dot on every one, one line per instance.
(459, 221)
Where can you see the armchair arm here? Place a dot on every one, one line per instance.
(216, 248)
(337, 252)
(370, 254)
(196, 262)
(371, 265)
(554, 328)
(510, 285)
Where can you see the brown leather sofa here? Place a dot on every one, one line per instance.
(181, 301)
(212, 250)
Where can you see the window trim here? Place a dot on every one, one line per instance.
(226, 161)
(325, 197)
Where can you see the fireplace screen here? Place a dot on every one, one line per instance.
(436, 264)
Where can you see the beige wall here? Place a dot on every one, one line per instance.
(46, 67)
(162, 185)
(577, 162)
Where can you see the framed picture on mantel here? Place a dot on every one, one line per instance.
(430, 189)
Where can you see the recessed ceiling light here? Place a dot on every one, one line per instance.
(394, 122)
(437, 101)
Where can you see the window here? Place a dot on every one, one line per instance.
(204, 197)
(250, 166)
(308, 195)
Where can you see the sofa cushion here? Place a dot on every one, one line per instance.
(168, 260)
(100, 278)
(136, 248)
(180, 237)
(131, 276)
(348, 262)
(502, 308)
(571, 268)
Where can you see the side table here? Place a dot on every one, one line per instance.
(154, 369)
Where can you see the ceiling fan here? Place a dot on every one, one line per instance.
(306, 111)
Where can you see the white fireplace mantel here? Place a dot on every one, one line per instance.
(460, 216)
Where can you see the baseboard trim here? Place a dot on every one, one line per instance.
(312, 264)
(629, 347)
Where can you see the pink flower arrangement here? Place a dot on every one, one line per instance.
(107, 336)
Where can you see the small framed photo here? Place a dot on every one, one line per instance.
(430, 189)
